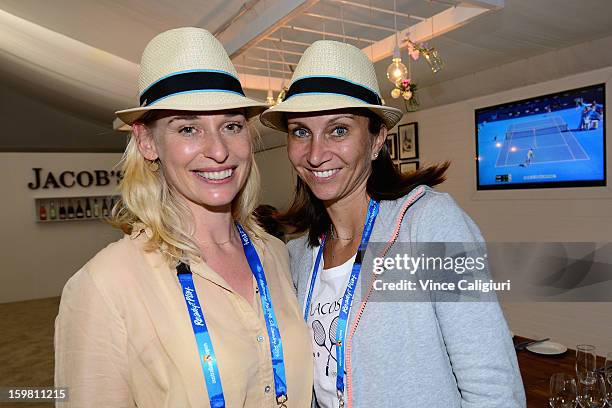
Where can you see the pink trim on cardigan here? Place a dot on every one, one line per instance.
(349, 378)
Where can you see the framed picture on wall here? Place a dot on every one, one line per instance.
(408, 141)
(409, 167)
(392, 145)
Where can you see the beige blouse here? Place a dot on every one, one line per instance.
(123, 337)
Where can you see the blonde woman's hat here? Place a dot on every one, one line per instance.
(188, 69)
(331, 75)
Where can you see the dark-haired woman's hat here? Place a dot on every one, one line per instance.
(188, 69)
(331, 75)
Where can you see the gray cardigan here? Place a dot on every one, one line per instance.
(423, 354)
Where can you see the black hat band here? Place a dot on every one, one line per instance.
(333, 85)
(190, 82)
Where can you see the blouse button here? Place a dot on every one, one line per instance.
(267, 389)
(260, 339)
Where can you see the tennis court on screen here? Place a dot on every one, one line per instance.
(543, 140)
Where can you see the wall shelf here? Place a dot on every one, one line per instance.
(64, 209)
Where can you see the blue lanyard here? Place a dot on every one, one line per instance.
(347, 299)
(202, 336)
(276, 344)
(203, 340)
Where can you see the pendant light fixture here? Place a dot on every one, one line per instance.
(396, 71)
(270, 98)
(406, 89)
(284, 89)
(431, 54)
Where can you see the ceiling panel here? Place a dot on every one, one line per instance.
(121, 27)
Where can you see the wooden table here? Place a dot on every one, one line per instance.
(536, 371)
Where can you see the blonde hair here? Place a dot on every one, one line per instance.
(148, 201)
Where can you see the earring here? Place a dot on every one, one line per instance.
(375, 156)
(153, 165)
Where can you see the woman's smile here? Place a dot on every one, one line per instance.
(216, 176)
(324, 175)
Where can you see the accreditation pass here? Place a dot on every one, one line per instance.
(33, 394)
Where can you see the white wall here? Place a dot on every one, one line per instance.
(546, 215)
(38, 258)
(278, 177)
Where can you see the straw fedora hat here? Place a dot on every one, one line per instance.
(331, 75)
(188, 69)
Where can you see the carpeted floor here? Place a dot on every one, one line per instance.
(26, 345)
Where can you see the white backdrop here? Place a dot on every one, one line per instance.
(38, 258)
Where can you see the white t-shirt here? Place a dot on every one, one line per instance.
(323, 321)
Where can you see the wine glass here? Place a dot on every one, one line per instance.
(591, 391)
(607, 372)
(585, 360)
(562, 391)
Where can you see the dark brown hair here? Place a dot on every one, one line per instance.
(307, 212)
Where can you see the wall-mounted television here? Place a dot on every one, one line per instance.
(555, 140)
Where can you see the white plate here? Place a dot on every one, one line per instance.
(549, 348)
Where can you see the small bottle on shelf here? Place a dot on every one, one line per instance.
(79, 210)
(62, 211)
(96, 208)
(70, 210)
(104, 208)
(52, 211)
(87, 208)
(42, 212)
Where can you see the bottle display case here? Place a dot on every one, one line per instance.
(60, 209)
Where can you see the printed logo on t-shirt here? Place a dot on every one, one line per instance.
(323, 322)
(324, 336)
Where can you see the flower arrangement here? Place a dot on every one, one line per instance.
(407, 90)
